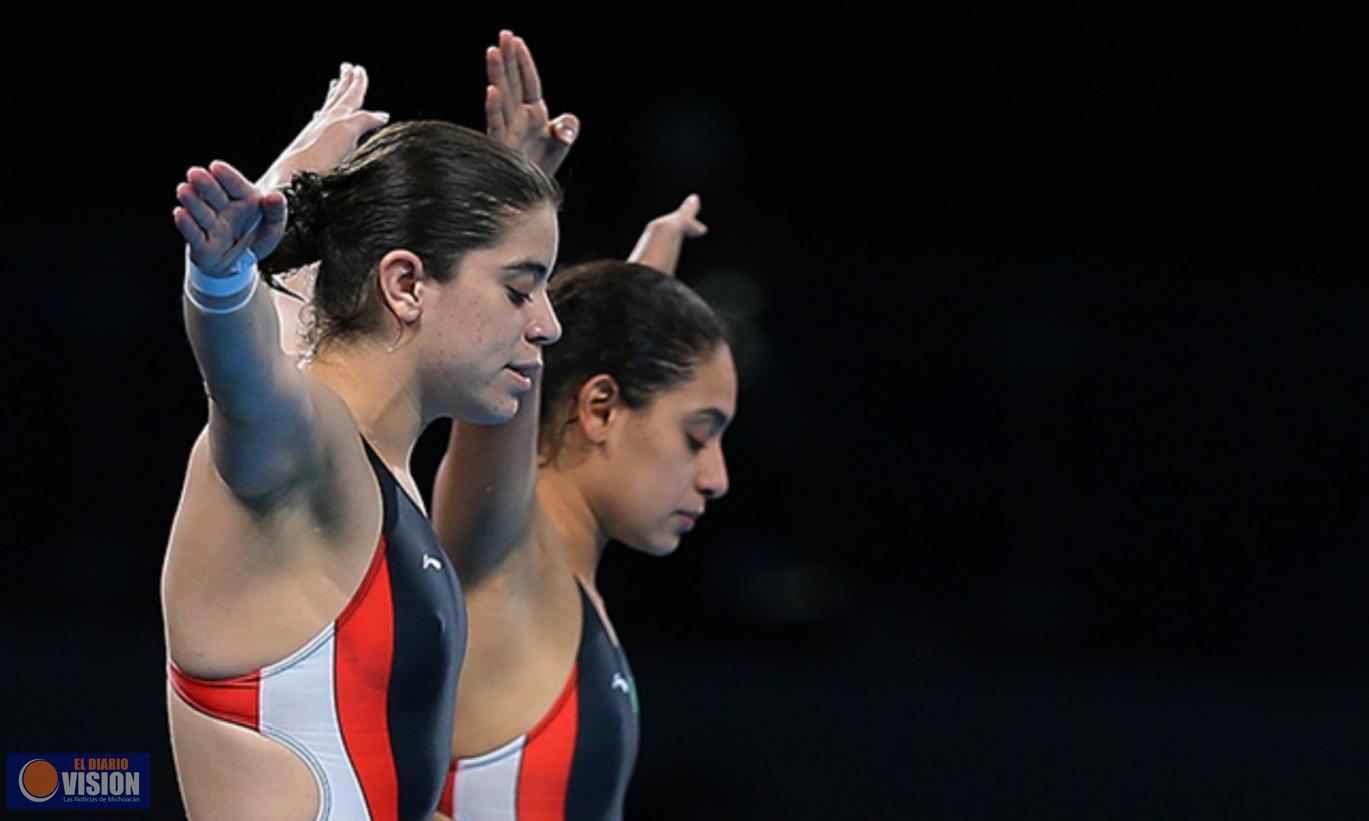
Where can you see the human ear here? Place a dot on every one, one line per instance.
(400, 276)
(597, 403)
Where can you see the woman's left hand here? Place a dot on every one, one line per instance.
(333, 131)
(660, 243)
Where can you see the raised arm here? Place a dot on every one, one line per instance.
(331, 133)
(661, 240)
(515, 113)
(486, 485)
(329, 136)
(484, 494)
(262, 436)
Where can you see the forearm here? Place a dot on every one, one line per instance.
(658, 247)
(240, 357)
(260, 420)
(277, 175)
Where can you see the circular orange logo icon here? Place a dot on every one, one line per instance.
(38, 780)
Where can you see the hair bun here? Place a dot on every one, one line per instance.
(304, 226)
(307, 199)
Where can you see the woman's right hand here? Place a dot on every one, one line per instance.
(515, 113)
(222, 214)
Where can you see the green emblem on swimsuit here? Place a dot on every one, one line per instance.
(628, 686)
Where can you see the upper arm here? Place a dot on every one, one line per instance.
(485, 491)
(261, 456)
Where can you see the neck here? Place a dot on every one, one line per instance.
(581, 536)
(380, 389)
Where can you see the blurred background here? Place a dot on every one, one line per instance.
(1049, 474)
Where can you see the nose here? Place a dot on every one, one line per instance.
(543, 326)
(712, 482)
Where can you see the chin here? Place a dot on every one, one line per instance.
(492, 411)
(660, 546)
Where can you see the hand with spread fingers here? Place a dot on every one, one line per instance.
(659, 245)
(222, 214)
(333, 131)
(326, 139)
(515, 113)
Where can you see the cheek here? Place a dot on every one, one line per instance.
(474, 325)
(474, 331)
(661, 479)
(631, 489)
(501, 326)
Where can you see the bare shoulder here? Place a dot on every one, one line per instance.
(234, 570)
(329, 497)
(532, 597)
(535, 580)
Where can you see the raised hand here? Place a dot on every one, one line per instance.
(332, 133)
(222, 214)
(515, 113)
(684, 219)
(659, 245)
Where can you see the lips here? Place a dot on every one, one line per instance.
(526, 369)
(524, 373)
(691, 516)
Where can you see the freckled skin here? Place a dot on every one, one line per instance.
(480, 331)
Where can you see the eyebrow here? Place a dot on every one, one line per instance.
(717, 417)
(527, 266)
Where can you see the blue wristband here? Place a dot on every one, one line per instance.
(244, 271)
(221, 290)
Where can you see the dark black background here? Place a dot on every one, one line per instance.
(1049, 478)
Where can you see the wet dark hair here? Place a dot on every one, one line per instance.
(433, 188)
(645, 329)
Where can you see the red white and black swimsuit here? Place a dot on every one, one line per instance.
(574, 764)
(368, 702)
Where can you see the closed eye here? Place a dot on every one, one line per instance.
(518, 297)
